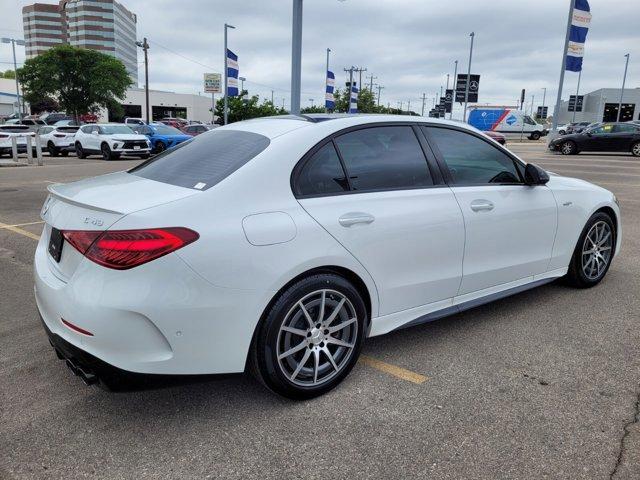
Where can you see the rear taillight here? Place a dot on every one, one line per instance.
(123, 249)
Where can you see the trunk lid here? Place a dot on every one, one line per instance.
(96, 204)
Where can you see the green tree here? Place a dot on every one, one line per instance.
(244, 109)
(366, 102)
(9, 74)
(80, 80)
(314, 109)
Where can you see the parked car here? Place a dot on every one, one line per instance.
(131, 121)
(194, 130)
(54, 117)
(178, 123)
(58, 140)
(498, 137)
(20, 132)
(161, 136)
(562, 129)
(605, 137)
(281, 244)
(577, 127)
(111, 140)
(31, 123)
(65, 123)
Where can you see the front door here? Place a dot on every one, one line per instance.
(510, 227)
(403, 227)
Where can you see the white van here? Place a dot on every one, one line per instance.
(506, 120)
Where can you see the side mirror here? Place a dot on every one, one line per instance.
(534, 175)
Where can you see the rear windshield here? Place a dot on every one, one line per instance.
(67, 129)
(203, 161)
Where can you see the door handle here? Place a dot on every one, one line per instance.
(481, 205)
(353, 218)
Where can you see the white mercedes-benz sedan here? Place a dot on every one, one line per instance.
(280, 244)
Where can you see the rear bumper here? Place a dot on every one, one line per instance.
(158, 318)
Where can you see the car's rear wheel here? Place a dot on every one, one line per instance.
(80, 151)
(568, 148)
(593, 253)
(635, 149)
(106, 152)
(310, 338)
(53, 150)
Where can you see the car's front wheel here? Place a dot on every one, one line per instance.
(160, 147)
(311, 337)
(593, 252)
(568, 148)
(106, 152)
(535, 136)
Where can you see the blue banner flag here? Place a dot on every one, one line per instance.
(578, 35)
(329, 99)
(353, 103)
(232, 74)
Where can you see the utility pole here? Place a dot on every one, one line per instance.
(296, 57)
(379, 88)
(577, 92)
(360, 70)
(226, 74)
(13, 42)
(466, 90)
(371, 78)
(624, 79)
(271, 97)
(544, 97)
(424, 98)
(532, 97)
(455, 79)
(409, 107)
(145, 47)
(447, 81)
(326, 70)
(556, 109)
(350, 70)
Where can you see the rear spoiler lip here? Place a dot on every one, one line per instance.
(53, 192)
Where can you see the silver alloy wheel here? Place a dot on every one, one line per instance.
(317, 338)
(596, 250)
(636, 149)
(567, 148)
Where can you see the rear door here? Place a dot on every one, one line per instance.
(510, 227)
(373, 190)
(623, 136)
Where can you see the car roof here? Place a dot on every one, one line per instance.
(277, 125)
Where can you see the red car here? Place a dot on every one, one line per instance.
(498, 137)
(178, 123)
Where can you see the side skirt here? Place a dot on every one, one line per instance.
(445, 312)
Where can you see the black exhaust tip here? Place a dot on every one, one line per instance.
(87, 377)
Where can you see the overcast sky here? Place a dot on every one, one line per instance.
(409, 45)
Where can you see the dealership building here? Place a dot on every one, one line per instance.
(602, 106)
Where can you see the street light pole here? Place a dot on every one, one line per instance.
(544, 97)
(145, 47)
(624, 79)
(424, 98)
(455, 79)
(379, 88)
(13, 42)
(556, 108)
(226, 74)
(466, 90)
(296, 57)
(242, 79)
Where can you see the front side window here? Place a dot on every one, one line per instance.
(322, 174)
(471, 160)
(384, 158)
(602, 129)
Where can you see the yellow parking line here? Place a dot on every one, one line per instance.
(398, 372)
(16, 229)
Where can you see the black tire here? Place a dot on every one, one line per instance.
(568, 148)
(159, 148)
(271, 367)
(106, 152)
(535, 136)
(635, 149)
(577, 276)
(80, 151)
(53, 150)
(64, 153)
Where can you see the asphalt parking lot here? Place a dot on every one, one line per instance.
(544, 384)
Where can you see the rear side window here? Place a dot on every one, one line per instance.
(384, 158)
(322, 174)
(203, 161)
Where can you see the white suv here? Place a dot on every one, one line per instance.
(21, 132)
(58, 140)
(110, 140)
